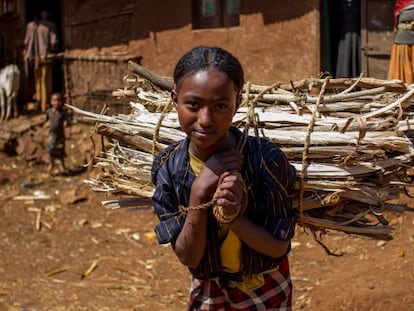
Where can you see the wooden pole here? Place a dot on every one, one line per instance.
(162, 82)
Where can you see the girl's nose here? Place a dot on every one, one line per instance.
(205, 116)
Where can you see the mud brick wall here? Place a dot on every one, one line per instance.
(275, 41)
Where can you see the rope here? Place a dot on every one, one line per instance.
(218, 209)
(155, 136)
(306, 151)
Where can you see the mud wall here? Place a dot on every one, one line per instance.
(275, 41)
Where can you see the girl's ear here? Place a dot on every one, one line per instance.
(174, 97)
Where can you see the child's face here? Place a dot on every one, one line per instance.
(56, 101)
(206, 103)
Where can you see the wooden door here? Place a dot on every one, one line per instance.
(377, 24)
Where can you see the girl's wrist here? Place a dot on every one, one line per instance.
(199, 194)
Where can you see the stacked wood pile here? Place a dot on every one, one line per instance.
(349, 140)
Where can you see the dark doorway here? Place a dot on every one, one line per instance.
(331, 34)
(375, 29)
(338, 20)
(33, 10)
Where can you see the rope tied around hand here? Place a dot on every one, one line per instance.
(218, 212)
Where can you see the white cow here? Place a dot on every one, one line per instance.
(9, 87)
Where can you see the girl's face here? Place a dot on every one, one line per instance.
(56, 102)
(206, 103)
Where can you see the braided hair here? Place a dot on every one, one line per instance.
(204, 58)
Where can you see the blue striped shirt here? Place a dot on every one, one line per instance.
(269, 180)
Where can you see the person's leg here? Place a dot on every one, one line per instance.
(61, 152)
(38, 85)
(51, 164)
(42, 96)
(51, 150)
(62, 164)
(45, 85)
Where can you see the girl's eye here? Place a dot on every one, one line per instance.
(191, 104)
(221, 106)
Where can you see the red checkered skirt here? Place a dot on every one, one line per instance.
(275, 294)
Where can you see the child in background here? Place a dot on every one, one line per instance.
(241, 265)
(57, 117)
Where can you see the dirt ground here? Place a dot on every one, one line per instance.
(60, 249)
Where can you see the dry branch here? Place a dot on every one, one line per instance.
(164, 83)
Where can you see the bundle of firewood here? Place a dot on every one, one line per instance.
(349, 140)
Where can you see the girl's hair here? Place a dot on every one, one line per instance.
(57, 94)
(204, 58)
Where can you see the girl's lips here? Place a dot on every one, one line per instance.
(202, 134)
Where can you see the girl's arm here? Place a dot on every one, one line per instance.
(258, 238)
(192, 240)
(271, 240)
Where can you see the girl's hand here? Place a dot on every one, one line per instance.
(206, 182)
(232, 195)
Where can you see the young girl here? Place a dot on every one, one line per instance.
(57, 117)
(241, 265)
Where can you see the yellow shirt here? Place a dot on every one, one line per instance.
(230, 248)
